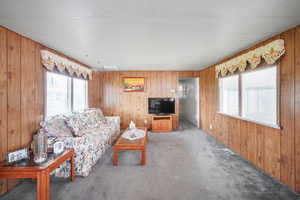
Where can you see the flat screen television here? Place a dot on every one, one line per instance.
(161, 106)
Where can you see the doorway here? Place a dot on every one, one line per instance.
(189, 101)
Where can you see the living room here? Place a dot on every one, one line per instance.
(100, 82)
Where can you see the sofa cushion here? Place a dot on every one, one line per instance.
(56, 126)
(81, 122)
(96, 111)
(108, 129)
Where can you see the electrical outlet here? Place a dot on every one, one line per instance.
(145, 121)
(210, 126)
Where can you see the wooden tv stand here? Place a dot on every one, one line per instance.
(162, 123)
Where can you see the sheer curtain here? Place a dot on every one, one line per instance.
(259, 95)
(229, 95)
(79, 94)
(58, 95)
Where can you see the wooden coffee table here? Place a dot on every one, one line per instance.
(124, 144)
(40, 173)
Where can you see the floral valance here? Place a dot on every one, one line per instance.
(270, 53)
(52, 61)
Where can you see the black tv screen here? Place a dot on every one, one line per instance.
(161, 106)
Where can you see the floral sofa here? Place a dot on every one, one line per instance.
(88, 132)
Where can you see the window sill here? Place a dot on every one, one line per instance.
(251, 120)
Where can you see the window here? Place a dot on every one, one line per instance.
(229, 95)
(64, 94)
(251, 95)
(259, 95)
(58, 94)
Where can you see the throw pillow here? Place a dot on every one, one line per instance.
(56, 126)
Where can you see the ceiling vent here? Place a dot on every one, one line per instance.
(110, 68)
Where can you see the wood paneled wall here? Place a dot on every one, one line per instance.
(21, 93)
(277, 152)
(94, 91)
(133, 105)
(188, 74)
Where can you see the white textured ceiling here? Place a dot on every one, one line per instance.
(149, 34)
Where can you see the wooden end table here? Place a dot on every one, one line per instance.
(40, 173)
(124, 144)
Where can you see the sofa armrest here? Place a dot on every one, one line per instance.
(114, 120)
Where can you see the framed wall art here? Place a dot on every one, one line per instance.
(134, 84)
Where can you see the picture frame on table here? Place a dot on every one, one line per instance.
(58, 147)
(17, 155)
